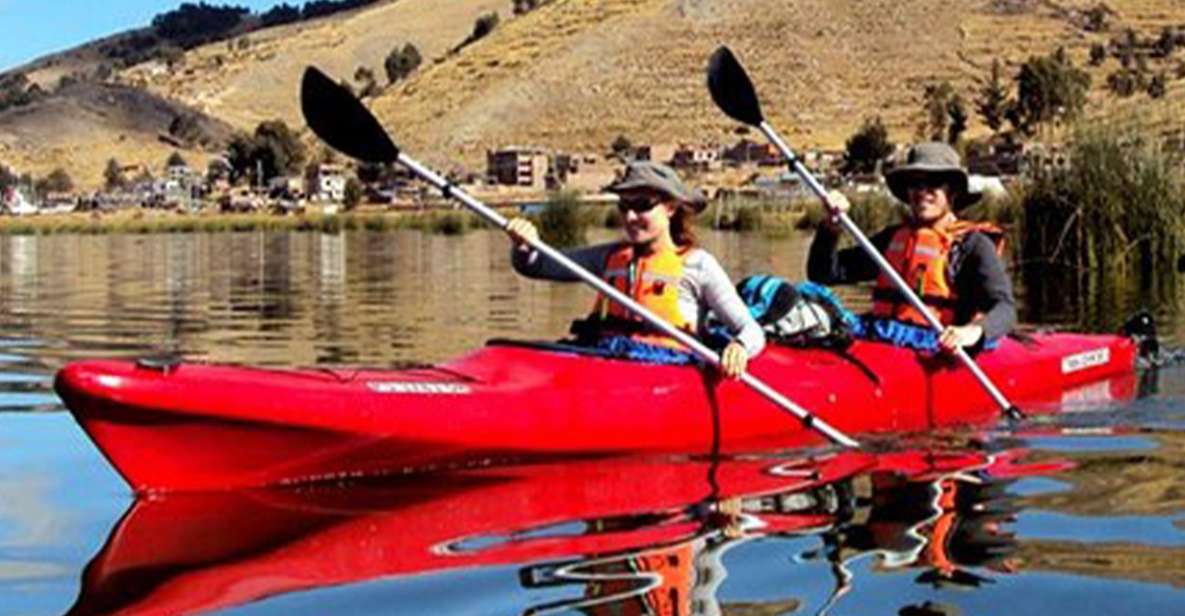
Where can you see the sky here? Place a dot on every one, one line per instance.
(33, 28)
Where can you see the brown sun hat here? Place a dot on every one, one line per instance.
(647, 176)
(932, 158)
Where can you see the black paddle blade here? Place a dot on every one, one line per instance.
(342, 121)
(731, 88)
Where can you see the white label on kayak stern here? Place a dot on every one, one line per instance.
(419, 387)
(1086, 359)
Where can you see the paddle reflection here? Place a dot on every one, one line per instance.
(607, 537)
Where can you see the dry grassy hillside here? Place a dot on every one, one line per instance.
(83, 126)
(574, 74)
(577, 73)
(256, 77)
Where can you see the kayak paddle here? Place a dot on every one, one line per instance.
(336, 116)
(734, 94)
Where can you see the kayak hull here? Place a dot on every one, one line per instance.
(202, 426)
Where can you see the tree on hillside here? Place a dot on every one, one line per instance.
(278, 15)
(191, 24)
(1157, 86)
(187, 128)
(482, 27)
(1096, 18)
(57, 181)
(1124, 82)
(1098, 54)
(273, 150)
(218, 169)
(622, 147)
(113, 178)
(367, 85)
(352, 195)
(176, 160)
(945, 113)
(1167, 43)
(1125, 47)
(867, 147)
(956, 111)
(992, 101)
(8, 178)
(401, 62)
(16, 90)
(1049, 88)
(279, 148)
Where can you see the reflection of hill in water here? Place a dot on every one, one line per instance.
(1106, 485)
(1141, 563)
(1144, 482)
(788, 606)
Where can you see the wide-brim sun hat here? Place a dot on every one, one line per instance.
(648, 176)
(933, 158)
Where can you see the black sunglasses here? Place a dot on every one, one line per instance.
(638, 205)
(924, 181)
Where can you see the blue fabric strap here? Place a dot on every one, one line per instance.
(901, 334)
(627, 348)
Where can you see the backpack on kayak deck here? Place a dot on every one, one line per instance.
(803, 314)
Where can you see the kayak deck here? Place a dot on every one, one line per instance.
(204, 426)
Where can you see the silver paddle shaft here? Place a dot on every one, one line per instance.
(451, 190)
(881, 262)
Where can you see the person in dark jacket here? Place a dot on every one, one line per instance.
(953, 265)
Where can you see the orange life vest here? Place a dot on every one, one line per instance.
(922, 257)
(652, 280)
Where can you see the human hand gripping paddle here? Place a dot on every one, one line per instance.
(337, 117)
(733, 92)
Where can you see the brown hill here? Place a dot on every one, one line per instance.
(82, 126)
(574, 74)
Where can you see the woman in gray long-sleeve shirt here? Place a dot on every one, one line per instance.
(966, 285)
(657, 265)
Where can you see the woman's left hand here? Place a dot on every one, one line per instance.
(733, 360)
(955, 337)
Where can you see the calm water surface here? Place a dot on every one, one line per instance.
(1084, 514)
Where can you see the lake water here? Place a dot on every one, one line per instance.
(1080, 514)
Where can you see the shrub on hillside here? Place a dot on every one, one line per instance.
(191, 24)
(274, 149)
(16, 91)
(58, 180)
(481, 28)
(279, 15)
(401, 62)
(1049, 88)
(991, 101)
(867, 147)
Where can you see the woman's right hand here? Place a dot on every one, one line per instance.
(522, 231)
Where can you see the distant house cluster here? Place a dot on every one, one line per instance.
(513, 173)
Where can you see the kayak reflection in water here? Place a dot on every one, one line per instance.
(662, 580)
(657, 265)
(949, 523)
(590, 537)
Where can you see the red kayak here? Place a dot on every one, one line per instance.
(182, 426)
